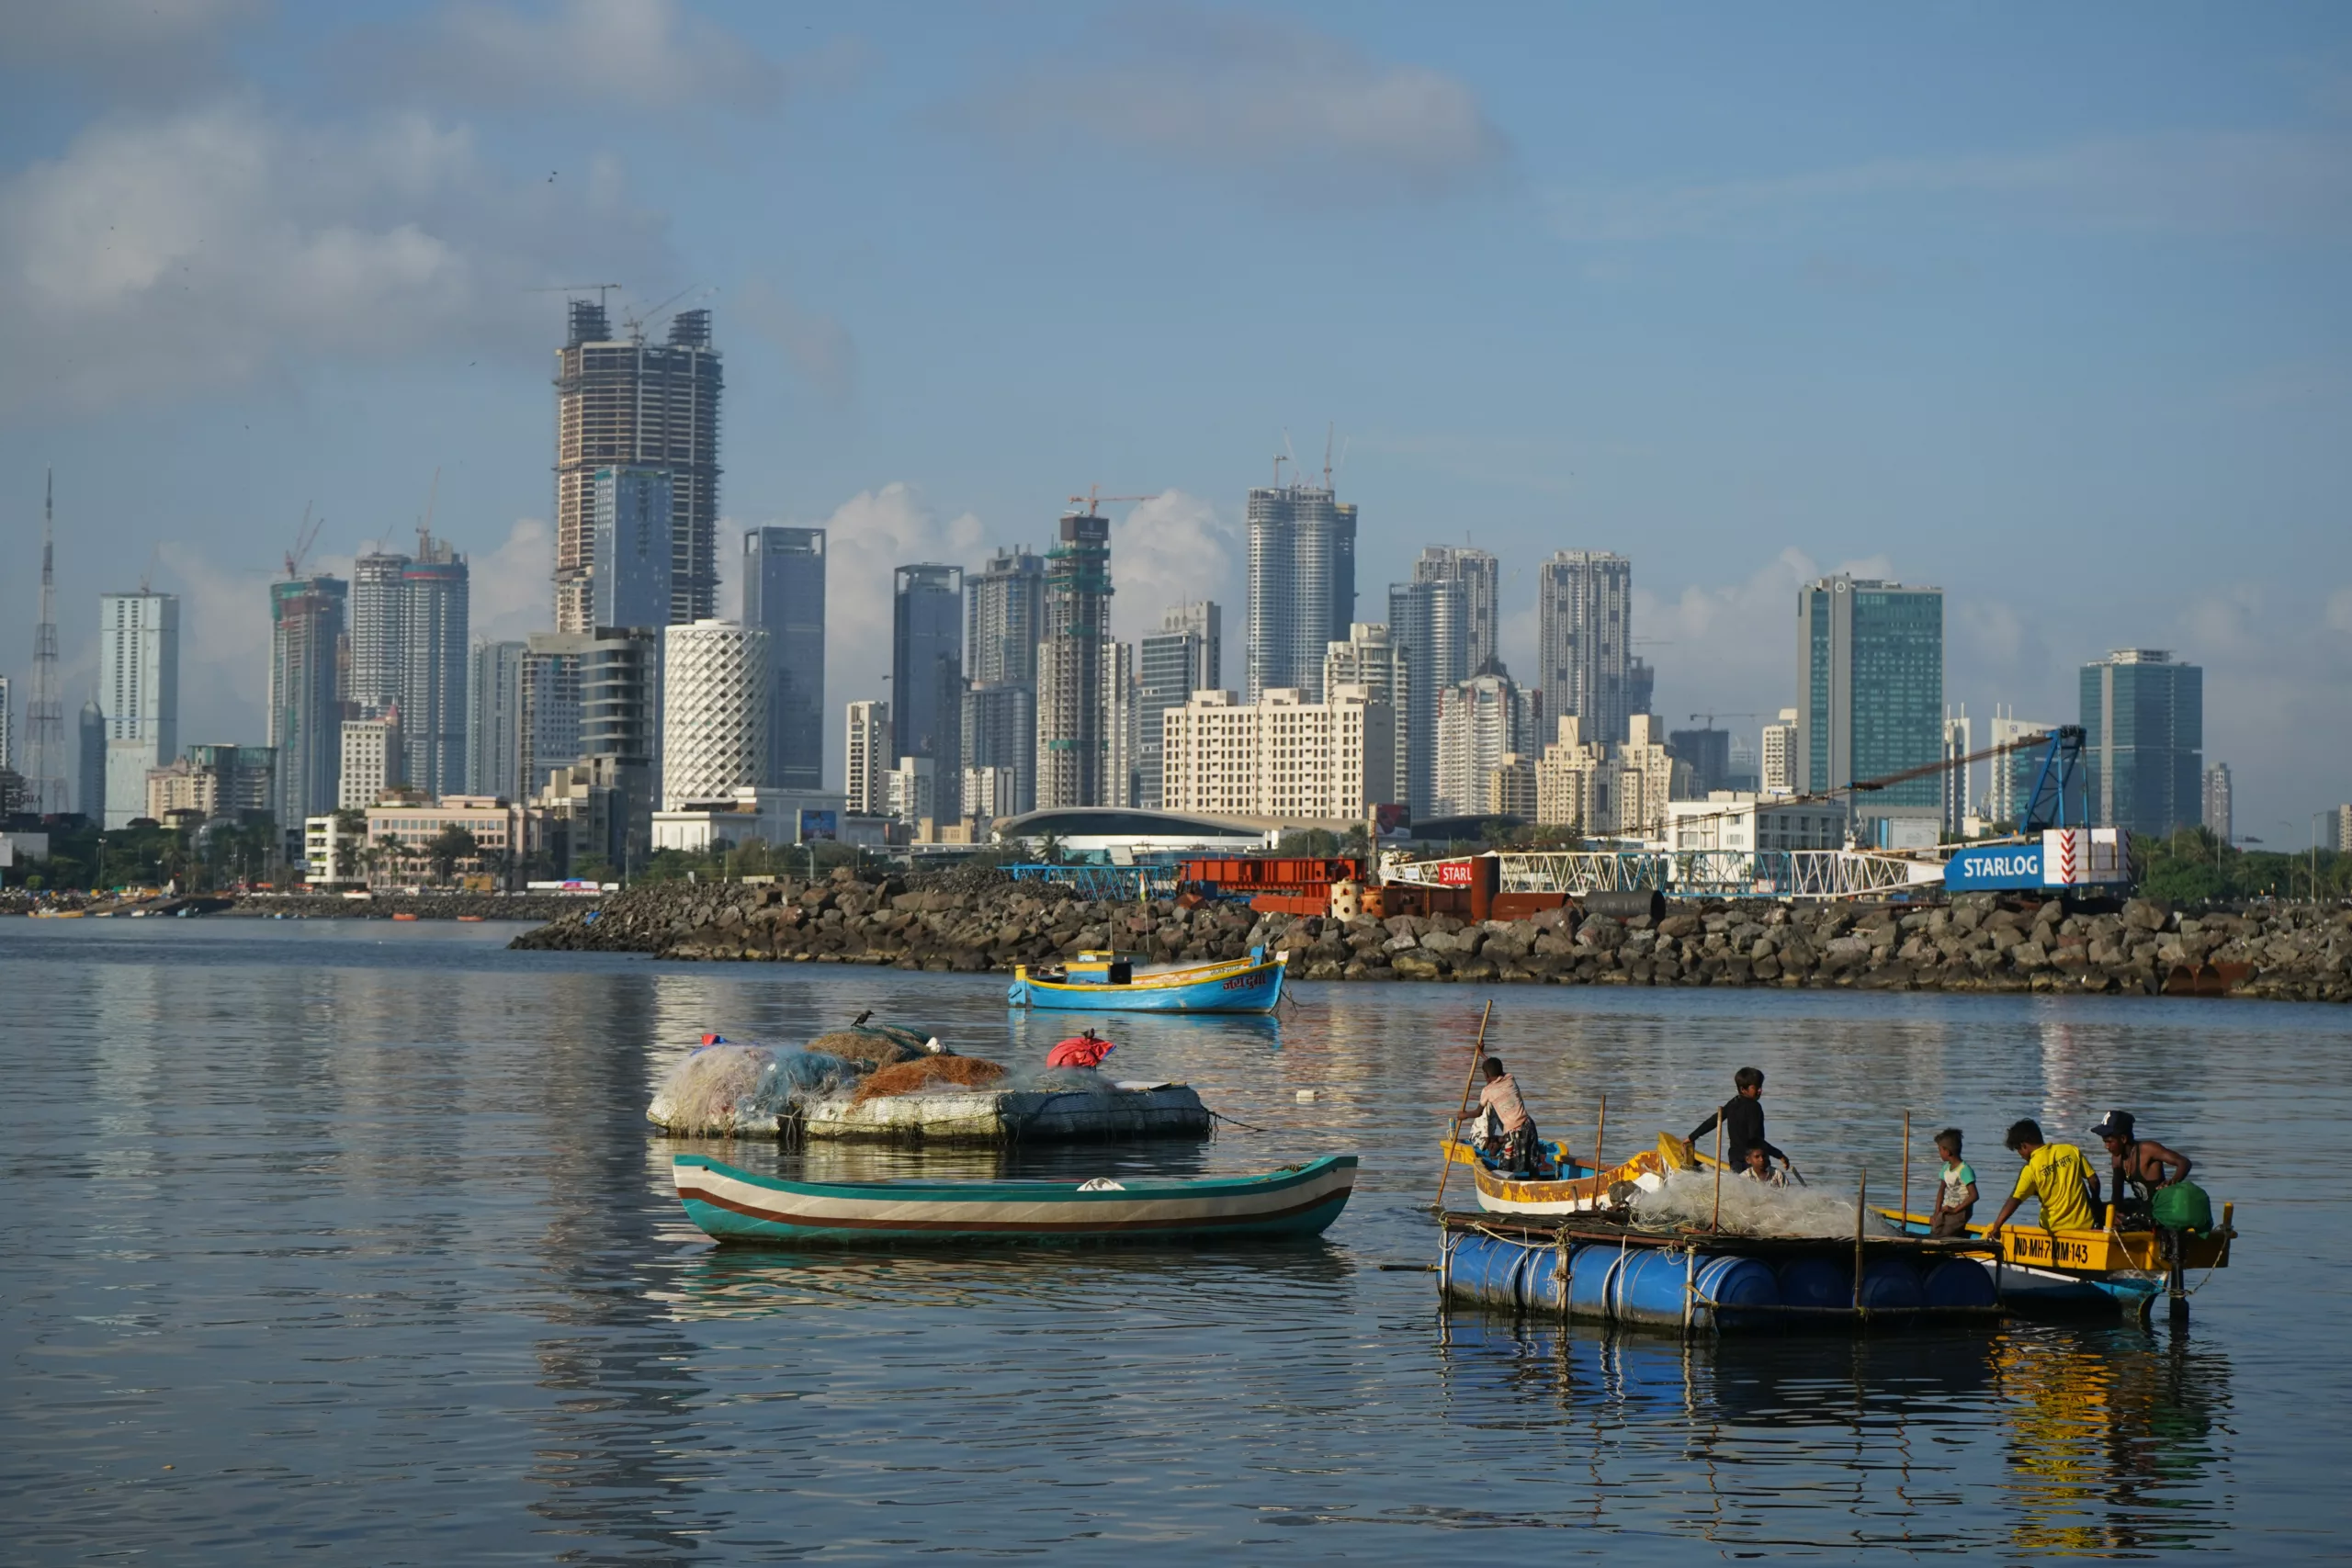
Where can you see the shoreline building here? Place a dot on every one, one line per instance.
(2143, 739)
(370, 761)
(1076, 670)
(1480, 576)
(1301, 584)
(409, 624)
(1624, 788)
(1871, 687)
(494, 721)
(2216, 815)
(629, 402)
(1584, 633)
(865, 759)
(213, 781)
(714, 711)
(1005, 607)
(1430, 621)
(1185, 654)
(1480, 721)
(1777, 755)
(1285, 756)
(139, 692)
(927, 670)
(308, 646)
(1373, 658)
(784, 595)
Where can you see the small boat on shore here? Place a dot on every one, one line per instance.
(1104, 982)
(732, 1205)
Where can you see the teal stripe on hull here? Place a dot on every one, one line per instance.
(1251, 990)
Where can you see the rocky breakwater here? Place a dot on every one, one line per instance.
(384, 906)
(975, 921)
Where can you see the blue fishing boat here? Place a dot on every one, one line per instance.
(739, 1205)
(1103, 982)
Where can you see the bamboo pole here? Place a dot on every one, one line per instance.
(1905, 1210)
(1597, 1133)
(1718, 1223)
(1861, 1197)
(1478, 1050)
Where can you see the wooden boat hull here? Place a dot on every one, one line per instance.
(1249, 986)
(739, 1205)
(1582, 1191)
(2067, 1269)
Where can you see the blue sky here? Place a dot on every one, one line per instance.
(2043, 305)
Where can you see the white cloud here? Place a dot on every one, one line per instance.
(868, 537)
(2198, 181)
(1298, 112)
(211, 246)
(636, 54)
(1730, 647)
(512, 588)
(1171, 551)
(816, 345)
(224, 645)
(148, 46)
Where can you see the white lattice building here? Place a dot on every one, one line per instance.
(714, 710)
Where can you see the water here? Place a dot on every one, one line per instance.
(350, 1240)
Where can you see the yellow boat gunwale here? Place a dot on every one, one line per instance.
(1159, 980)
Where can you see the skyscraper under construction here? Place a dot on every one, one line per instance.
(627, 402)
(1301, 584)
(1075, 665)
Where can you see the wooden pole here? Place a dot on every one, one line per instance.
(1718, 1223)
(1597, 1133)
(1905, 1210)
(1478, 1050)
(1861, 1196)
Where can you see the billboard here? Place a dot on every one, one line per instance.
(816, 825)
(2066, 857)
(1994, 866)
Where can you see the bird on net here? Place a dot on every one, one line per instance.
(926, 1075)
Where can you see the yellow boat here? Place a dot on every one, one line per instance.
(1576, 1189)
(2090, 1268)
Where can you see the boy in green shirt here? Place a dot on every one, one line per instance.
(1956, 1194)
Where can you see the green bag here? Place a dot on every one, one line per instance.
(2183, 1206)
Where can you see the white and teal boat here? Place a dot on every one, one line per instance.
(739, 1205)
(1104, 982)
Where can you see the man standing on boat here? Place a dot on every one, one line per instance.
(1500, 1097)
(1743, 1122)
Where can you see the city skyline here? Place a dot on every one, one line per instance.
(1777, 363)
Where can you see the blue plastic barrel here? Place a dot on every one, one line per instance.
(1817, 1282)
(1487, 1270)
(1958, 1282)
(1892, 1284)
(1594, 1271)
(1649, 1287)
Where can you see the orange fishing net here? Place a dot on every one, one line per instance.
(930, 1072)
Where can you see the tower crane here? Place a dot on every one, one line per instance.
(1094, 498)
(303, 539)
(600, 289)
(1710, 718)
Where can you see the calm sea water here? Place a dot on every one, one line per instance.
(351, 1241)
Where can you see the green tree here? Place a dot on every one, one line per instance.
(448, 847)
(1050, 850)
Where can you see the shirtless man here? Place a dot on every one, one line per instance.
(2139, 1166)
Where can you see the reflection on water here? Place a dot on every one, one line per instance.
(366, 1237)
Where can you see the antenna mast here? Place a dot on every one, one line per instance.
(44, 710)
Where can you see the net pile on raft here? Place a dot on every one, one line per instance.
(1688, 1198)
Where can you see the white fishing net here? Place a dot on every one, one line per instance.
(729, 1088)
(1751, 1208)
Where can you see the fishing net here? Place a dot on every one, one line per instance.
(928, 1075)
(1750, 1208)
(728, 1088)
(1065, 1080)
(871, 1047)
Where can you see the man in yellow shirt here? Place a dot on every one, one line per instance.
(2055, 1173)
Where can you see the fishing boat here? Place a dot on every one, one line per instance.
(1104, 982)
(2100, 1268)
(1561, 1186)
(732, 1205)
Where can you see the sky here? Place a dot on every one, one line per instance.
(2045, 306)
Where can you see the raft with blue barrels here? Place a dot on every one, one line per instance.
(1695, 1282)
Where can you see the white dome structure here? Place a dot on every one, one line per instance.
(714, 711)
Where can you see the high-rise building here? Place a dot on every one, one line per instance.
(370, 762)
(910, 791)
(2144, 730)
(866, 758)
(1302, 583)
(1777, 750)
(988, 794)
(927, 669)
(1074, 680)
(1186, 655)
(307, 641)
(2332, 831)
(784, 595)
(2009, 784)
(215, 781)
(494, 723)
(1708, 752)
(1481, 577)
(2216, 815)
(1119, 723)
(1431, 621)
(435, 596)
(1584, 632)
(1641, 687)
(44, 768)
(1602, 788)
(379, 630)
(1001, 733)
(1871, 691)
(627, 402)
(1284, 756)
(1006, 603)
(139, 691)
(714, 711)
(1375, 660)
(1959, 793)
(90, 778)
(629, 513)
(7, 726)
(549, 734)
(1479, 721)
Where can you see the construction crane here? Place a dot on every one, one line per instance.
(1094, 498)
(303, 539)
(424, 528)
(638, 323)
(600, 289)
(1710, 718)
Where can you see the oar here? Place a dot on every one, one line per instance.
(1478, 1050)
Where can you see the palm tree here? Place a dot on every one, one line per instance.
(446, 848)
